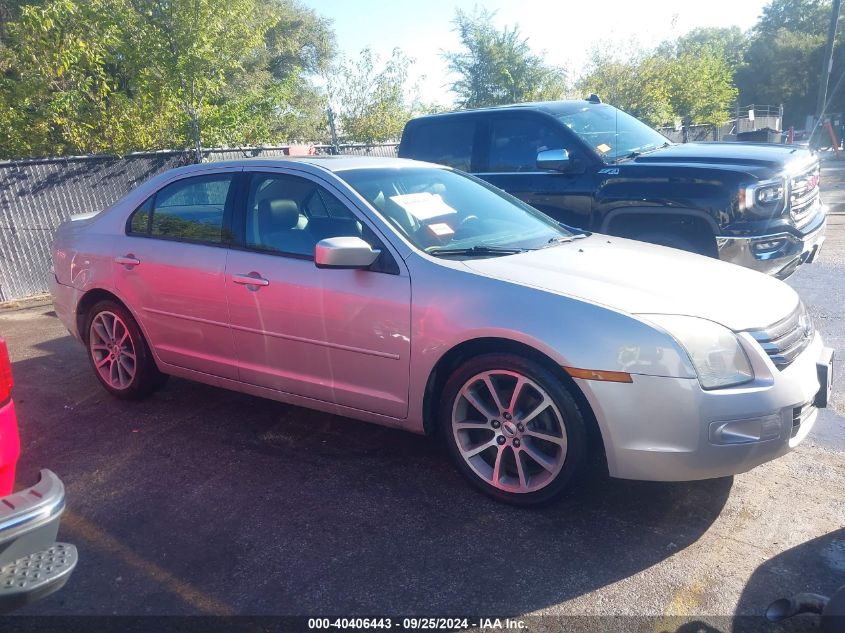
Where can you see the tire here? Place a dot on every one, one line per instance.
(531, 470)
(672, 240)
(119, 354)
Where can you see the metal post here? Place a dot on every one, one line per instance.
(335, 144)
(827, 62)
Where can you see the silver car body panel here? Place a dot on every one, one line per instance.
(364, 344)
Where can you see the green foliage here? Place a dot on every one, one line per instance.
(664, 85)
(371, 102)
(636, 82)
(498, 66)
(92, 76)
(784, 59)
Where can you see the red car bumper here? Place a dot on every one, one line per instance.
(10, 447)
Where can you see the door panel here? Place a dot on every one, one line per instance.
(339, 336)
(177, 291)
(512, 146)
(177, 288)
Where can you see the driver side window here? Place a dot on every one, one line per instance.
(515, 142)
(288, 215)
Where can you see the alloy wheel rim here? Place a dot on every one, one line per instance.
(509, 431)
(112, 350)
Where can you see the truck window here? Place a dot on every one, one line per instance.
(515, 141)
(446, 142)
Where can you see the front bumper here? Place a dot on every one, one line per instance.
(32, 564)
(778, 254)
(670, 429)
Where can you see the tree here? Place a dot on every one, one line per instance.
(497, 66)
(56, 95)
(672, 82)
(784, 57)
(634, 81)
(729, 43)
(91, 76)
(372, 103)
(701, 86)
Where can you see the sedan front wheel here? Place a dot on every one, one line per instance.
(512, 428)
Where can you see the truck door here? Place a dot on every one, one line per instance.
(510, 163)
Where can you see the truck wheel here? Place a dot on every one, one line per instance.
(512, 428)
(119, 354)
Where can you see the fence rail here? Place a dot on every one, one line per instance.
(36, 195)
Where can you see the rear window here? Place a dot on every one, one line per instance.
(191, 209)
(447, 142)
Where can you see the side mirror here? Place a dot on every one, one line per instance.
(344, 252)
(554, 159)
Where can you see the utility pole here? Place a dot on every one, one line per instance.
(827, 62)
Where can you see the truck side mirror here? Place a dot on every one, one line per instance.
(553, 159)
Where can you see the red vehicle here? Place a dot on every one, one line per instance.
(32, 564)
(10, 446)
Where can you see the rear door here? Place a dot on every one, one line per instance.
(169, 268)
(512, 142)
(340, 336)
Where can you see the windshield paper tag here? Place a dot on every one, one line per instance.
(604, 148)
(423, 206)
(441, 229)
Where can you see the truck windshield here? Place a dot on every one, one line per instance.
(614, 134)
(445, 212)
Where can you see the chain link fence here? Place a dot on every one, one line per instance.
(39, 194)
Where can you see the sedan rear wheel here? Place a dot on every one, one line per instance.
(513, 430)
(119, 354)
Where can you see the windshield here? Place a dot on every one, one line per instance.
(613, 133)
(440, 210)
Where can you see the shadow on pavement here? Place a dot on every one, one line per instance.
(817, 566)
(201, 496)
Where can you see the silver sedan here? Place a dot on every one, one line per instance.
(416, 296)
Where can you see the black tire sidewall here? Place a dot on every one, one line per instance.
(147, 376)
(572, 417)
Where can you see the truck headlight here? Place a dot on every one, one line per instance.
(714, 350)
(766, 198)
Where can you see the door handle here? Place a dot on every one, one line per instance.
(127, 260)
(252, 279)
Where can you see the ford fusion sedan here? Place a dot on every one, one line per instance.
(415, 296)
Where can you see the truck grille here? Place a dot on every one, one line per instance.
(803, 195)
(785, 340)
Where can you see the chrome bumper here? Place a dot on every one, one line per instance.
(32, 564)
(778, 254)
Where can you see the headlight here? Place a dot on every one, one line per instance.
(714, 350)
(767, 198)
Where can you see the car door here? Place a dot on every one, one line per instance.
(513, 141)
(169, 268)
(340, 336)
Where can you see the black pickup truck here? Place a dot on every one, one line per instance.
(592, 166)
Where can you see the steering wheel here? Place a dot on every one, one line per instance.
(466, 223)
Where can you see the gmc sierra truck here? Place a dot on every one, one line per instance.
(591, 166)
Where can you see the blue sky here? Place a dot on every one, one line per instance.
(564, 29)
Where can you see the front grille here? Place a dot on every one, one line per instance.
(786, 339)
(803, 195)
(800, 415)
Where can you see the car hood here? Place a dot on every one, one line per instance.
(640, 278)
(774, 157)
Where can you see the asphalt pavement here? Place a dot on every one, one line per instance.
(204, 501)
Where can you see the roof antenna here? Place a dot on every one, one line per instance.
(594, 98)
